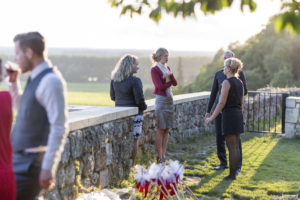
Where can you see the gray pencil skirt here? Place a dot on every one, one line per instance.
(164, 112)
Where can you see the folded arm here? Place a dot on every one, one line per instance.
(158, 82)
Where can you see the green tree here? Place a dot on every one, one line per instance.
(205, 76)
(180, 77)
(288, 19)
(282, 78)
(269, 58)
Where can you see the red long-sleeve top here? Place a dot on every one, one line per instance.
(5, 126)
(160, 83)
(7, 177)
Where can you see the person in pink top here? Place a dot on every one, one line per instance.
(7, 177)
(163, 79)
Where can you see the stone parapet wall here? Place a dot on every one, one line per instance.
(98, 148)
(292, 114)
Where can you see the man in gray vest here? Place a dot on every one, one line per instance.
(41, 127)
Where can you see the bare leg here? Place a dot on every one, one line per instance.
(232, 142)
(134, 151)
(165, 142)
(159, 142)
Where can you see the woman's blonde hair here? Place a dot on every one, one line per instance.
(123, 68)
(157, 55)
(234, 65)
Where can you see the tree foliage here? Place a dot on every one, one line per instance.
(288, 19)
(270, 58)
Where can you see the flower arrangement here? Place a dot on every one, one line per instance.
(162, 181)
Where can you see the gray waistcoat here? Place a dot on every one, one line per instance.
(32, 126)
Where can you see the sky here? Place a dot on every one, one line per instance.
(94, 24)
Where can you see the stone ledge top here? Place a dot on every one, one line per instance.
(86, 116)
(182, 98)
(297, 99)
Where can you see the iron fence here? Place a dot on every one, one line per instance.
(264, 112)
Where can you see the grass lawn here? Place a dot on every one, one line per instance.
(271, 167)
(95, 94)
(92, 94)
(89, 98)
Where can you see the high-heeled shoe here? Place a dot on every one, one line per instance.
(163, 159)
(158, 160)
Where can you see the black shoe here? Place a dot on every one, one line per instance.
(238, 172)
(158, 160)
(228, 178)
(220, 167)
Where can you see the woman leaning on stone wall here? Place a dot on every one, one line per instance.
(127, 91)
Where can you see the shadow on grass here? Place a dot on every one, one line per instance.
(279, 171)
(270, 168)
(256, 151)
(214, 178)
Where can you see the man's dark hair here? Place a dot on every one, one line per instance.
(32, 40)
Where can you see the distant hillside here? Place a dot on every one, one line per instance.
(108, 52)
(82, 65)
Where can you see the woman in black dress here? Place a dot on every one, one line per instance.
(231, 105)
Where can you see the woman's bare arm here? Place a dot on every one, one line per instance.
(222, 100)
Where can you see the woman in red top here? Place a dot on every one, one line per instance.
(7, 177)
(163, 79)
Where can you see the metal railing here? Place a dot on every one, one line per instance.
(264, 112)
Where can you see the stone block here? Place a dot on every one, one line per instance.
(68, 193)
(60, 177)
(70, 174)
(54, 195)
(86, 182)
(292, 101)
(95, 179)
(65, 156)
(88, 164)
(65, 176)
(76, 139)
(297, 129)
(104, 179)
(290, 130)
(297, 99)
(100, 159)
(291, 115)
(109, 154)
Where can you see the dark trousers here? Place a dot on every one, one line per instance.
(220, 141)
(27, 170)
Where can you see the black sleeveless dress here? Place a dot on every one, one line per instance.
(232, 115)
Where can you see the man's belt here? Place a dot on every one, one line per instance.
(39, 149)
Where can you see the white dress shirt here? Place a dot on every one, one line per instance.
(51, 94)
